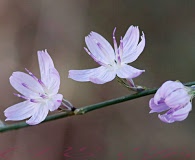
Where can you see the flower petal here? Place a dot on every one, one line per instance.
(39, 114)
(105, 44)
(98, 50)
(45, 63)
(82, 75)
(49, 75)
(157, 108)
(179, 115)
(20, 111)
(130, 39)
(55, 102)
(178, 98)
(166, 118)
(26, 85)
(127, 71)
(131, 55)
(166, 89)
(98, 75)
(184, 110)
(104, 75)
(54, 83)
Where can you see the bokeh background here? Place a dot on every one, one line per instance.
(120, 132)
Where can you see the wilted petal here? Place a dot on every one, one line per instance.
(166, 89)
(130, 56)
(55, 102)
(157, 108)
(177, 98)
(180, 117)
(183, 110)
(39, 114)
(166, 118)
(49, 75)
(20, 111)
(19, 80)
(159, 95)
(170, 87)
(127, 71)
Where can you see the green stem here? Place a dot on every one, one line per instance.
(92, 107)
(86, 109)
(24, 124)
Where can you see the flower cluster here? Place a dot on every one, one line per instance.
(41, 95)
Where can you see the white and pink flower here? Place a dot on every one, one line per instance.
(41, 95)
(114, 62)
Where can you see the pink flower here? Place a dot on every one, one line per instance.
(174, 98)
(40, 95)
(113, 61)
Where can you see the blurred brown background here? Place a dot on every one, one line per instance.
(120, 132)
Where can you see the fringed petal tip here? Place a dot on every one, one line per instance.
(143, 35)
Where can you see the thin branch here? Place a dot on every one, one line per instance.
(92, 107)
(86, 109)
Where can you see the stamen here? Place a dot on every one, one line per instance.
(35, 100)
(120, 51)
(114, 41)
(44, 96)
(95, 58)
(41, 83)
(21, 96)
(26, 86)
(119, 59)
(121, 46)
(31, 74)
(38, 80)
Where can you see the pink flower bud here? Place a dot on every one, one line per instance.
(174, 98)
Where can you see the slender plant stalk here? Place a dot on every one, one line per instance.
(86, 109)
